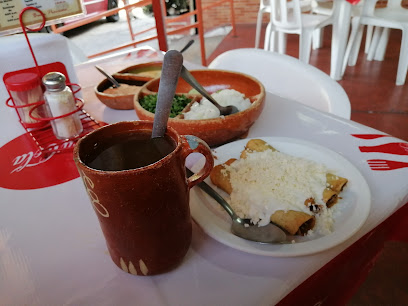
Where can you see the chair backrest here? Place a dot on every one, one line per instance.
(395, 4)
(369, 7)
(305, 5)
(263, 4)
(322, 7)
(288, 77)
(286, 14)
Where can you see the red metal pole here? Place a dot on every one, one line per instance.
(200, 27)
(132, 35)
(160, 24)
(234, 29)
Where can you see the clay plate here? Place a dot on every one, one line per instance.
(137, 75)
(219, 130)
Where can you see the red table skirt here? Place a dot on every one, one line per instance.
(338, 280)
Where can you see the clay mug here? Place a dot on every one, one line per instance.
(143, 212)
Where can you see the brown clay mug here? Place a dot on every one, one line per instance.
(144, 211)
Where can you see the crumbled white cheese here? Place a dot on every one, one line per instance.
(206, 110)
(227, 97)
(265, 182)
(202, 110)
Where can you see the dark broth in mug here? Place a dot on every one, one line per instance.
(127, 151)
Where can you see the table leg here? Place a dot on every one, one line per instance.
(341, 28)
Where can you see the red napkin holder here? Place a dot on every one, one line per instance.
(41, 131)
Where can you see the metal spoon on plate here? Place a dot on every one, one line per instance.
(224, 110)
(244, 228)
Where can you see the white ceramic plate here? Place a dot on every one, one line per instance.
(350, 212)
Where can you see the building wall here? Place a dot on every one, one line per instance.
(245, 12)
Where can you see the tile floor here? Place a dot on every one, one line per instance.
(377, 102)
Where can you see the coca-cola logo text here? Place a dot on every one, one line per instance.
(23, 166)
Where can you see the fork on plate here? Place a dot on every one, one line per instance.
(383, 165)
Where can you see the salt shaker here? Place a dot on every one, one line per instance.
(60, 101)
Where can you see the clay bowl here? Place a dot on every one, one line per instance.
(145, 71)
(219, 130)
(137, 75)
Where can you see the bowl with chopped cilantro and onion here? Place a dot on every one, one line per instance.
(194, 115)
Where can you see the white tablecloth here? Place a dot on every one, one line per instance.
(52, 250)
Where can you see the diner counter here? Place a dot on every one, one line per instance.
(53, 252)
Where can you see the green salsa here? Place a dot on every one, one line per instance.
(148, 102)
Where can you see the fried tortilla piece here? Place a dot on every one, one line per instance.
(293, 222)
(220, 176)
(330, 194)
(256, 145)
(330, 197)
(335, 182)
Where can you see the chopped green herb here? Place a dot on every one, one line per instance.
(148, 102)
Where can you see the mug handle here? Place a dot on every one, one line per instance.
(192, 144)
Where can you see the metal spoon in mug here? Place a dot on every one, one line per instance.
(224, 110)
(108, 76)
(244, 228)
(172, 63)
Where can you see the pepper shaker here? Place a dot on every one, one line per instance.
(60, 101)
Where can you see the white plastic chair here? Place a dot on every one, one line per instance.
(325, 7)
(288, 77)
(393, 11)
(265, 7)
(322, 7)
(290, 20)
(391, 17)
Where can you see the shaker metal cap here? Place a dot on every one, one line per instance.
(54, 81)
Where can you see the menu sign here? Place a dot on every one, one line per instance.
(52, 9)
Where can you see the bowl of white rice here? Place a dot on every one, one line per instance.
(194, 115)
